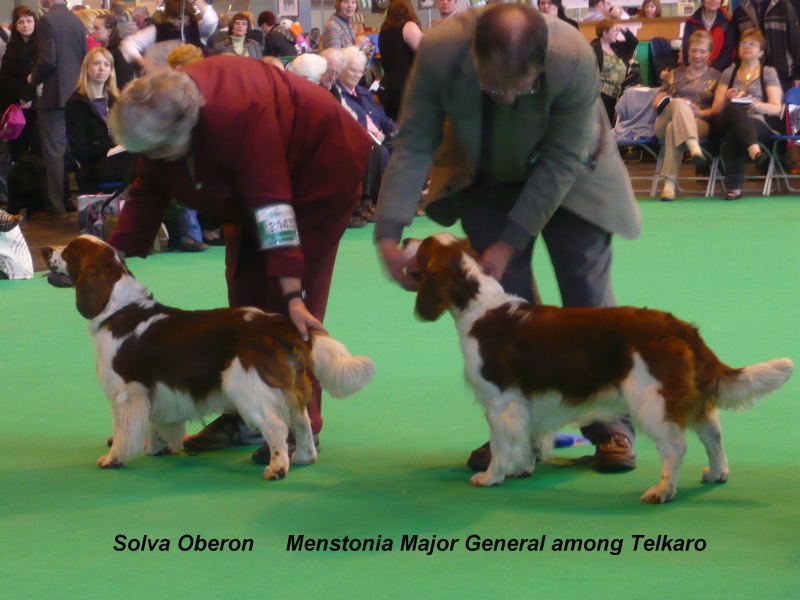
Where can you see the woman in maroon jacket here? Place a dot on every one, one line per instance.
(273, 157)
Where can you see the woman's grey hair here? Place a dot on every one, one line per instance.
(334, 57)
(310, 66)
(158, 110)
(352, 53)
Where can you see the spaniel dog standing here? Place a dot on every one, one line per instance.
(162, 366)
(536, 369)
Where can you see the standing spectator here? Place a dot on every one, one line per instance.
(60, 50)
(271, 37)
(125, 23)
(398, 40)
(338, 30)
(555, 8)
(237, 43)
(176, 14)
(718, 24)
(446, 8)
(106, 32)
(141, 16)
(598, 10)
(777, 20)
(613, 57)
(16, 66)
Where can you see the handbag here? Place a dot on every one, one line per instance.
(15, 256)
(12, 123)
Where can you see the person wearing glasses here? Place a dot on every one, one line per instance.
(447, 8)
(748, 101)
(503, 101)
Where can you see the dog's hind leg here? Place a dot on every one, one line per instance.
(509, 418)
(710, 433)
(306, 453)
(264, 408)
(166, 438)
(130, 409)
(671, 445)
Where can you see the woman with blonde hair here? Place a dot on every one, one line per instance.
(683, 119)
(86, 115)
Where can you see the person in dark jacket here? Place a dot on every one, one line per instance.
(106, 32)
(237, 43)
(273, 39)
(613, 57)
(87, 124)
(778, 21)
(16, 66)
(398, 40)
(555, 8)
(711, 19)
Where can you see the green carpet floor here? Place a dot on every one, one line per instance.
(392, 459)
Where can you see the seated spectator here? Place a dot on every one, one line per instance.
(361, 103)
(555, 8)
(86, 115)
(313, 39)
(718, 24)
(106, 32)
(613, 57)
(650, 9)
(222, 32)
(309, 66)
(336, 64)
(684, 121)
(748, 100)
(195, 32)
(237, 43)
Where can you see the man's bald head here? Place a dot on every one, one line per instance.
(514, 36)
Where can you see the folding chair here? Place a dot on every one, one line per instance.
(776, 172)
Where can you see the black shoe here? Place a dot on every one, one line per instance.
(733, 196)
(227, 430)
(614, 454)
(761, 161)
(480, 458)
(262, 455)
(188, 244)
(356, 222)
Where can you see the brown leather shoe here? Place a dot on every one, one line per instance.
(614, 454)
(480, 458)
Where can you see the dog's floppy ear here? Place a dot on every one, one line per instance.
(93, 290)
(433, 295)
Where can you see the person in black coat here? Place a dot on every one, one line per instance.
(613, 57)
(87, 125)
(14, 88)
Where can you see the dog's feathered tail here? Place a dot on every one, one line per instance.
(340, 374)
(740, 388)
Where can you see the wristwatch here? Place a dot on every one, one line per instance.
(295, 294)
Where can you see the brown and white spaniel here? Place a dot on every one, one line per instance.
(536, 369)
(162, 366)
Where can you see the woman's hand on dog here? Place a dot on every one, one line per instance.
(302, 319)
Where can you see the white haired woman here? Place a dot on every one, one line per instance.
(309, 66)
(271, 156)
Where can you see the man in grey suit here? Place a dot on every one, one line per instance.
(60, 52)
(504, 102)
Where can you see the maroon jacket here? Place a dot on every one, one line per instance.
(264, 137)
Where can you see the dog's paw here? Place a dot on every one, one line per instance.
(656, 495)
(109, 462)
(714, 477)
(522, 474)
(485, 480)
(274, 473)
(303, 459)
(165, 451)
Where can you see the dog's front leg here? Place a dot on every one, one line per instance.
(671, 446)
(131, 416)
(509, 419)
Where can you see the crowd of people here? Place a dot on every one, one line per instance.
(286, 163)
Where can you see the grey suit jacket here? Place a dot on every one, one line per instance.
(564, 124)
(61, 48)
